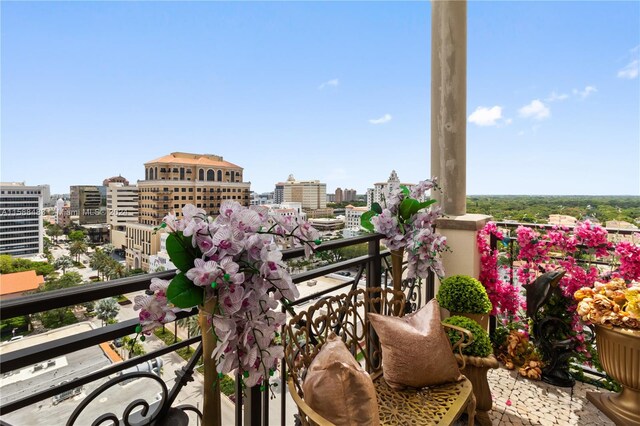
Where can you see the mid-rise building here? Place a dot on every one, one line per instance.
(181, 178)
(122, 205)
(87, 204)
(21, 227)
(115, 179)
(63, 213)
(562, 219)
(352, 216)
(161, 261)
(172, 181)
(338, 195)
(312, 194)
(143, 241)
(349, 195)
(381, 190)
(46, 196)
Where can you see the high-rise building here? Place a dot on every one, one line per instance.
(87, 204)
(21, 228)
(46, 196)
(122, 205)
(172, 181)
(349, 195)
(339, 196)
(381, 190)
(311, 193)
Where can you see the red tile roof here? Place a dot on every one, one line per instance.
(19, 282)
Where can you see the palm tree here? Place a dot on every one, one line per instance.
(118, 270)
(99, 261)
(107, 309)
(77, 248)
(63, 262)
(191, 324)
(108, 248)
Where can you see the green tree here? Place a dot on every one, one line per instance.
(99, 262)
(9, 264)
(54, 231)
(63, 262)
(77, 236)
(77, 248)
(67, 280)
(107, 309)
(108, 248)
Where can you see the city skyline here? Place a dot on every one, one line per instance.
(338, 92)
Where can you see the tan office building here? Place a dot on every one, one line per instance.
(172, 181)
(310, 193)
(180, 178)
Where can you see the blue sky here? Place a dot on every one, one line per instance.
(334, 91)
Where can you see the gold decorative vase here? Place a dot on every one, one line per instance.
(619, 352)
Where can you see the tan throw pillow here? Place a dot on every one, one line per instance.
(415, 349)
(338, 388)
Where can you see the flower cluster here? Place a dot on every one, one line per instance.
(234, 263)
(594, 237)
(409, 224)
(610, 304)
(629, 255)
(503, 296)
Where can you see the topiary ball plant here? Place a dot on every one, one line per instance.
(464, 294)
(481, 345)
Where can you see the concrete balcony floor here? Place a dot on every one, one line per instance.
(519, 401)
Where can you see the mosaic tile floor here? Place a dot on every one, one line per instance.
(519, 401)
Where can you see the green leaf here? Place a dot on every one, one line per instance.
(365, 220)
(424, 205)
(407, 206)
(405, 190)
(376, 208)
(181, 252)
(183, 293)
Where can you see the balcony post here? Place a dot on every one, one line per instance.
(211, 408)
(449, 134)
(449, 103)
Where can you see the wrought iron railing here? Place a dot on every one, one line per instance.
(252, 405)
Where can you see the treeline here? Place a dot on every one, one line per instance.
(527, 208)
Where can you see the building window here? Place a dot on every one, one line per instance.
(210, 175)
(201, 174)
(181, 173)
(220, 175)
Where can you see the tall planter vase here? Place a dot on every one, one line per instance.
(476, 370)
(211, 409)
(619, 352)
(397, 256)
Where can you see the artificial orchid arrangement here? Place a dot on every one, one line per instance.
(234, 260)
(409, 224)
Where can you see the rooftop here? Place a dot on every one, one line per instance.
(193, 160)
(19, 282)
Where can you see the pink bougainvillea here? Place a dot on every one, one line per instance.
(503, 296)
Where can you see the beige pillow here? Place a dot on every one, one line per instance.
(338, 388)
(415, 349)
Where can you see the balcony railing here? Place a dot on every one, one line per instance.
(256, 403)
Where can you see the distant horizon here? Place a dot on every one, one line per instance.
(334, 91)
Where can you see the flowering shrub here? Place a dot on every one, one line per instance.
(586, 255)
(233, 259)
(481, 345)
(409, 224)
(610, 304)
(504, 297)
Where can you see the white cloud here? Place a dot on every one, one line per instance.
(555, 97)
(331, 83)
(630, 71)
(382, 120)
(586, 92)
(484, 116)
(521, 133)
(536, 110)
